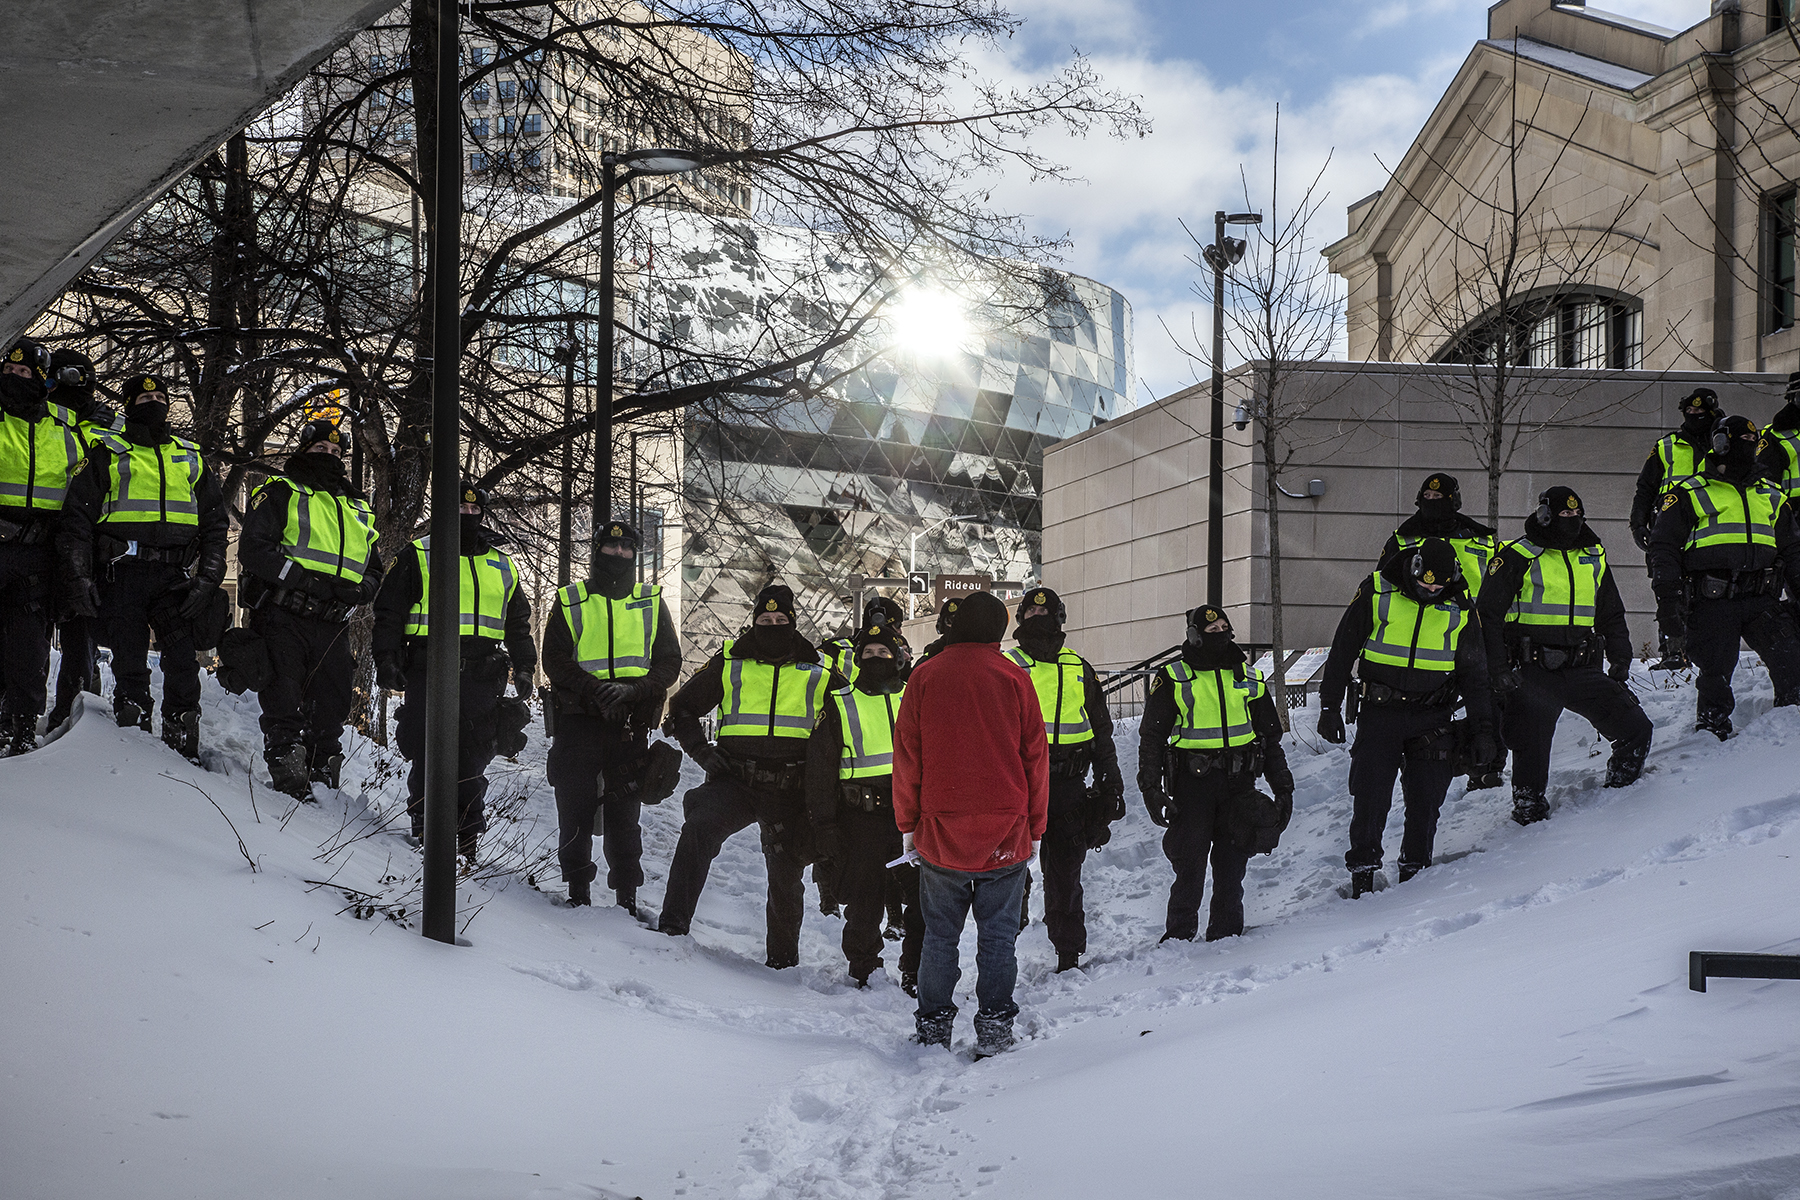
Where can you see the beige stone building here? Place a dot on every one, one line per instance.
(1649, 174)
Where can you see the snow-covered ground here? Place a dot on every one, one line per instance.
(1513, 1023)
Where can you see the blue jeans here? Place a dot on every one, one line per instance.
(945, 897)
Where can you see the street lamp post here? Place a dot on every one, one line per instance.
(566, 352)
(912, 550)
(635, 164)
(1222, 254)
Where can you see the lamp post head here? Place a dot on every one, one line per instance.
(1242, 218)
(658, 161)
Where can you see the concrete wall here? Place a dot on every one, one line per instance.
(1125, 504)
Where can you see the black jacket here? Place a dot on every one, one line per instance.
(573, 687)
(77, 529)
(1773, 457)
(1358, 622)
(1650, 484)
(1161, 712)
(701, 694)
(825, 752)
(1506, 576)
(403, 588)
(1670, 560)
(259, 538)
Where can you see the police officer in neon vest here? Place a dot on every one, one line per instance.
(145, 509)
(1209, 729)
(1410, 633)
(307, 560)
(770, 689)
(72, 384)
(1779, 451)
(850, 793)
(1440, 515)
(1552, 618)
(1675, 457)
(494, 617)
(1078, 727)
(41, 446)
(1722, 548)
(611, 653)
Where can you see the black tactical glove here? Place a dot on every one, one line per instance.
(1284, 801)
(1507, 682)
(1671, 620)
(524, 680)
(1484, 747)
(199, 591)
(77, 598)
(615, 696)
(711, 760)
(1620, 671)
(347, 593)
(1331, 726)
(1156, 801)
(1108, 782)
(1674, 646)
(1641, 535)
(388, 673)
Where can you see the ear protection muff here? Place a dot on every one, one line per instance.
(1721, 438)
(1417, 567)
(1543, 513)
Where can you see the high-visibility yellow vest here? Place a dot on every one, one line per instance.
(151, 484)
(1559, 587)
(1790, 441)
(1409, 634)
(1472, 554)
(1213, 707)
(1679, 459)
(325, 532)
(1062, 695)
(38, 458)
(1728, 515)
(488, 582)
(758, 702)
(840, 656)
(612, 636)
(868, 725)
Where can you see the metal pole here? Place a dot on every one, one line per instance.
(603, 400)
(443, 645)
(1215, 463)
(636, 509)
(565, 530)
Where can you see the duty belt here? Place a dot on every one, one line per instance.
(866, 797)
(28, 533)
(1238, 760)
(1728, 585)
(1589, 652)
(301, 604)
(137, 552)
(782, 777)
(1067, 763)
(1380, 695)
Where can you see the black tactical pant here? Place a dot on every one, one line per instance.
(1060, 856)
(713, 812)
(587, 747)
(1529, 722)
(868, 842)
(76, 674)
(1714, 628)
(482, 681)
(1192, 837)
(24, 626)
(136, 598)
(1413, 743)
(311, 683)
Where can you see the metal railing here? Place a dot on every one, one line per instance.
(1127, 689)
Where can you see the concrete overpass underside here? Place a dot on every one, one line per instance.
(107, 103)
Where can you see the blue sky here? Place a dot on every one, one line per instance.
(1355, 80)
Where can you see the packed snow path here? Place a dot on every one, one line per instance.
(1514, 1022)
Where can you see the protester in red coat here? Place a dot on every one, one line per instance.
(971, 797)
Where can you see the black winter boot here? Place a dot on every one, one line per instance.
(909, 983)
(1626, 764)
(935, 1029)
(181, 733)
(1529, 805)
(580, 894)
(1362, 882)
(1712, 721)
(329, 771)
(287, 771)
(131, 710)
(626, 898)
(18, 734)
(1066, 960)
(1408, 870)
(993, 1034)
(466, 845)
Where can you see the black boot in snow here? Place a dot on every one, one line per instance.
(993, 1035)
(1626, 764)
(181, 733)
(909, 983)
(131, 710)
(580, 895)
(328, 771)
(1362, 882)
(1712, 721)
(935, 1029)
(287, 771)
(1529, 805)
(1408, 870)
(1067, 960)
(18, 734)
(466, 847)
(626, 898)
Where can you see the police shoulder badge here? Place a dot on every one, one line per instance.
(1669, 500)
(1494, 565)
(1156, 681)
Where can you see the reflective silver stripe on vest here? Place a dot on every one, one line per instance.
(763, 721)
(1184, 677)
(1417, 653)
(1536, 605)
(575, 598)
(185, 454)
(1053, 729)
(299, 495)
(858, 760)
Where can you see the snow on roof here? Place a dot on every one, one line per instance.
(1598, 70)
(1612, 18)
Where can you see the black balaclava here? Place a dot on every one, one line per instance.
(315, 469)
(1739, 460)
(1440, 513)
(1566, 527)
(877, 674)
(1042, 636)
(979, 617)
(614, 573)
(1434, 561)
(772, 643)
(24, 397)
(1210, 651)
(146, 410)
(1700, 411)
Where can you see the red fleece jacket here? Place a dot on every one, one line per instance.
(971, 769)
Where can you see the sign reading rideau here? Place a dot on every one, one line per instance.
(949, 587)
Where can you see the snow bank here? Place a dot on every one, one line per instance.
(1512, 1023)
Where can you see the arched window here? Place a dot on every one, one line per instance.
(1591, 330)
